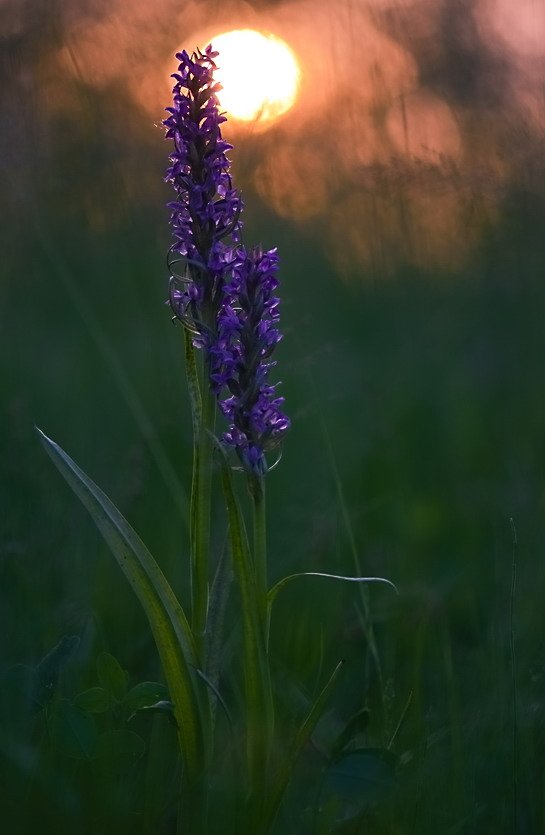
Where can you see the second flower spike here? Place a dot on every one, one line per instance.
(240, 359)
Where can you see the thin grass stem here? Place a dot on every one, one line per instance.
(195, 400)
(257, 489)
(367, 621)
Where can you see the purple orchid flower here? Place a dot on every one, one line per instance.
(225, 295)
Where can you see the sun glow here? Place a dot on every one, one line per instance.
(259, 75)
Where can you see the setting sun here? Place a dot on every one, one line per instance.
(259, 75)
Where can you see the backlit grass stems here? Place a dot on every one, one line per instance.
(224, 294)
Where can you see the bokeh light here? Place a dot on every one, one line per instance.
(344, 107)
(258, 72)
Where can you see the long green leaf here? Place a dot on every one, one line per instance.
(165, 615)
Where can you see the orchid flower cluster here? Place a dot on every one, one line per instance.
(225, 296)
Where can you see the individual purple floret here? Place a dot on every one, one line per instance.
(205, 214)
(240, 358)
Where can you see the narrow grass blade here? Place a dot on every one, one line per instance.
(219, 596)
(301, 738)
(219, 698)
(343, 506)
(273, 591)
(165, 615)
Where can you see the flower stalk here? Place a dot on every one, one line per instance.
(202, 501)
(257, 490)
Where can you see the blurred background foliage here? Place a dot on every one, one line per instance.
(406, 194)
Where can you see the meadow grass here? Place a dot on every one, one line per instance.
(443, 461)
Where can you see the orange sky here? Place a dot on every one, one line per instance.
(378, 144)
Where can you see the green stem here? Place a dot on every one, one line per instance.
(367, 620)
(200, 550)
(195, 400)
(257, 488)
(263, 733)
(192, 813)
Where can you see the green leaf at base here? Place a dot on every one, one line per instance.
(166, 617)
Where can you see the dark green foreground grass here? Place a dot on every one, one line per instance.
(424, 396)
